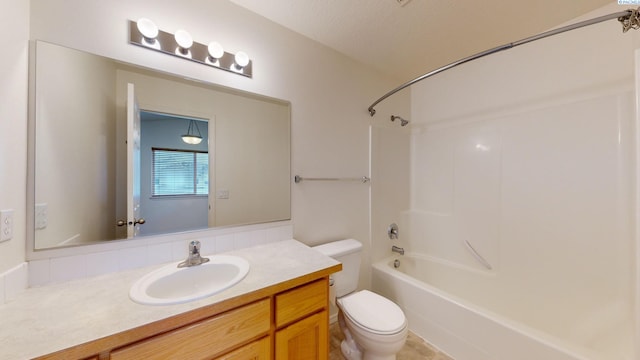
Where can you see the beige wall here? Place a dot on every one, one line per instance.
(75, 184)
(329, 93)
(14, 30)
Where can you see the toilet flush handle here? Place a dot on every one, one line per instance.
(331, 281)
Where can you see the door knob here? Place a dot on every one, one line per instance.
(136, 222)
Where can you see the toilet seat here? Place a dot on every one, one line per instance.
(373, 312)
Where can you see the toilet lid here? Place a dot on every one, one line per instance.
(373, 312)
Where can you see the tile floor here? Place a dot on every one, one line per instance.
(414, 349)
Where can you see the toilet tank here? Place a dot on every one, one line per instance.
(348, 252)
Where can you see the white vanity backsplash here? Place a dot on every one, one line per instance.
(13, 282)
(146, 252)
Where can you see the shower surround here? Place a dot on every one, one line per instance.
(532, 161)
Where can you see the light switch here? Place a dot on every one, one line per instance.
(222, 194)
(6, 225)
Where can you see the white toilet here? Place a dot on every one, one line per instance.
(374, 327)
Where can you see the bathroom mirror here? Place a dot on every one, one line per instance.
(85, 182)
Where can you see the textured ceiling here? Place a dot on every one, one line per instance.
(407, 41)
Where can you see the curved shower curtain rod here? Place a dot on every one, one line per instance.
(630, 19)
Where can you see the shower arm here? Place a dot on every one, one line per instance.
(630, 19)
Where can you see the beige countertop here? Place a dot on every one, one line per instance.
(46, 319)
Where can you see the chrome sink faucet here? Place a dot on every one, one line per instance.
(194, 257)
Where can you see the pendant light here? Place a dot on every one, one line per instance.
(191, 137)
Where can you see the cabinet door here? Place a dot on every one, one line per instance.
(257, 350)
(306, 339)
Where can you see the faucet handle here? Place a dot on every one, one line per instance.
(194, 247)
(194, 257)
(392, 231)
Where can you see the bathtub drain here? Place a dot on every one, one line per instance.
(396, 263)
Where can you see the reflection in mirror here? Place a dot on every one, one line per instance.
(238, 174)
(175, 174)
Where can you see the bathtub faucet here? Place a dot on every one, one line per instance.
(397, 249)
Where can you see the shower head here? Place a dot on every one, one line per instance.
(403, 122)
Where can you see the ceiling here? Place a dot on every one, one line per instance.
(407, 41)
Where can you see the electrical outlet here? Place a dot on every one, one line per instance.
(6, 225)
(41, 216)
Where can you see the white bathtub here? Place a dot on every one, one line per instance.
(464, 330)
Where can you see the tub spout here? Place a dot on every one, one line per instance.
(397, 249)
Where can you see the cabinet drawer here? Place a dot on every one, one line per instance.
(299, 302)
(205, 339)
(257, 350)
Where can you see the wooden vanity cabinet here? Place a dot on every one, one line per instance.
(302, 321)
(301, 331)
(284, 321)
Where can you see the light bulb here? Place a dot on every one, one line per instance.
(147, 28)
(215, 50)
(242, 59)
(183, 39)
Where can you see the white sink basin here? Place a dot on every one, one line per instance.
(173, 285)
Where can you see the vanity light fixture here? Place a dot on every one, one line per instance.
(190, 137)
(146, 34)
